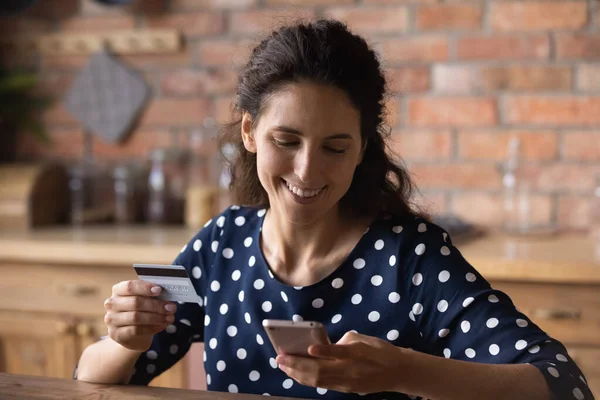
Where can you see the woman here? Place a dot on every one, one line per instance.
(329, 235)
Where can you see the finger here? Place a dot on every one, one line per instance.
(135, 318)
(310, 371)
(136, 288)
(332, 351)
(139, 303)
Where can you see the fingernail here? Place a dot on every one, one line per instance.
(170, 307)
(155, 289)
(281, 362)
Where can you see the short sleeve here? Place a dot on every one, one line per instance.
(170, 345)
(460, 316)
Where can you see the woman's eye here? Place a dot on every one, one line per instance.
(285, 144)
(335, 151)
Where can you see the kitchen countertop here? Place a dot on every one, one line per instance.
(572, 257)
(24, 387)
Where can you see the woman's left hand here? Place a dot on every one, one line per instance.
(355, 364)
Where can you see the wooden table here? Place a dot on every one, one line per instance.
(24, 387)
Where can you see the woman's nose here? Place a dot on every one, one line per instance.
(306, 165)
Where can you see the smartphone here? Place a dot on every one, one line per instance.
(294, 337)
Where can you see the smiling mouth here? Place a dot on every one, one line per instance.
(304, 193)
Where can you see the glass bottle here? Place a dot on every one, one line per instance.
(127, 194)
(595, 211)
(201, 190)
(224, 196)
(167, 183)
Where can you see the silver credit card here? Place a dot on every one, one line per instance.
(173, 279)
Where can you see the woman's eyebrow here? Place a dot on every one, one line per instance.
(287, 129)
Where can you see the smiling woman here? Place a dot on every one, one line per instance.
(325, 233)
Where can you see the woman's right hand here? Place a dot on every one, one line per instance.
(134, 314)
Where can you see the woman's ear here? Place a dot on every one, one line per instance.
(247, 135)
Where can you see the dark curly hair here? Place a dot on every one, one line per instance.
(323, 52)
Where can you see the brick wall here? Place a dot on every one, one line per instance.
(467, 74)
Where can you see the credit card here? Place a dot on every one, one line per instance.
(173, 279)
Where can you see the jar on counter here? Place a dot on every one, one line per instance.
(201, 190)
(167, 184)
(90, 195)
(595, 211)
(128, 195)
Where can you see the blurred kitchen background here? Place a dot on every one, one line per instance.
(109, 112)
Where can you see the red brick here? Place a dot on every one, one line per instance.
(308, 2)
(567, 110)
(408, 79)
(186, 82)
(578, 178)
(222, 111)
(66, 143)
(449, 16)
(453, 111)
(192, 24)
(158, 61)
(57, 114)
(166, 111)
(138, 61)
(582, 146)
(526, 78)
(454, 79)
(588, 77)
(456, 176)
(66, 62)
(138, 145)
(392, 117)
(210, 4)
(504, 48)
(487, 209)
(265, 21)
(493, 145)
(578, 46)
(364, 20)
(55, 85)
(538, 15)
(13, 26)
(422, 145)
(142, 7)
(574, 212)
(425, 48)
(431, 202)
(225, 52)
(380, 2)
(96, 24)
(53, 10)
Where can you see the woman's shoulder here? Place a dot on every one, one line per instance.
(409, 231)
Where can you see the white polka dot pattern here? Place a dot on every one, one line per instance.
(397, 265)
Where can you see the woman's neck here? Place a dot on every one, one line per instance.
(306, 253)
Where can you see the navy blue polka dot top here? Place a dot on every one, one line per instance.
(404, 282)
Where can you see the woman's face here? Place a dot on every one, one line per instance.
(308, 144)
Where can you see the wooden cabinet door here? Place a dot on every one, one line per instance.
(41, 345)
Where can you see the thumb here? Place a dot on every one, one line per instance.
(350, 337)
(354, 337)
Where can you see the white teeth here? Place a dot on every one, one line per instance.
(302, 193)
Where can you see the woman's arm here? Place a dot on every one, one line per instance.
(106, 361)
(434, 377)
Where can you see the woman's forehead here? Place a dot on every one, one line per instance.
(297, 104)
